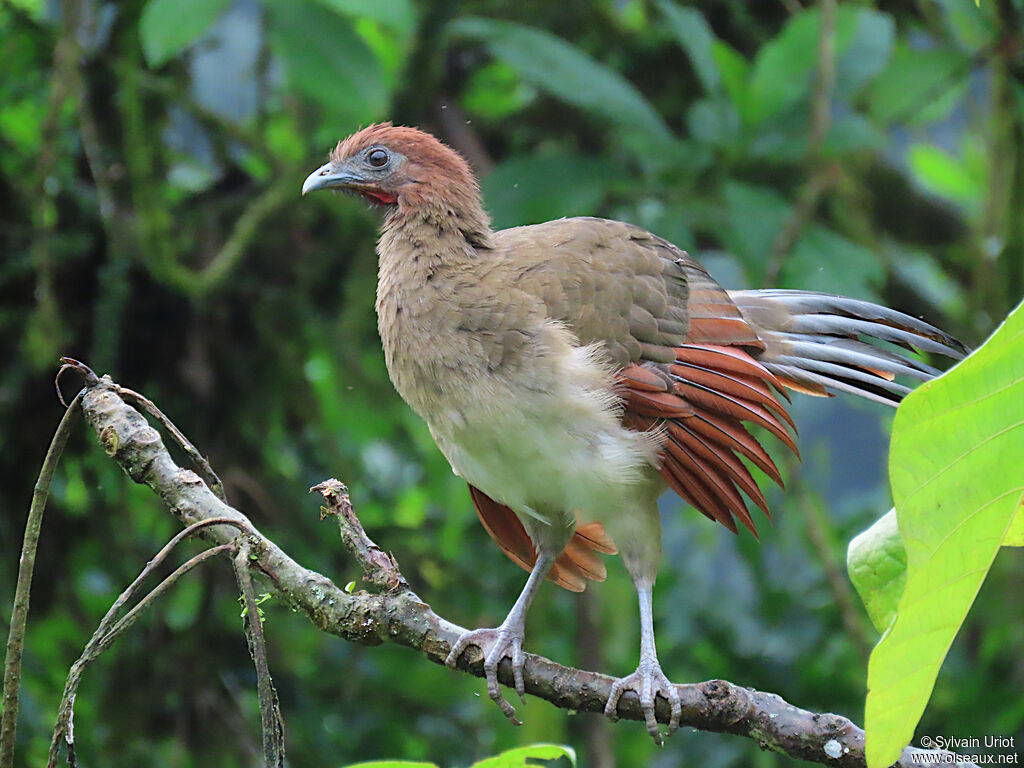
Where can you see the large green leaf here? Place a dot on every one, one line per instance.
(957, 472)
(168, 27)
(566, 72)
(1015, 533)
(877, 562)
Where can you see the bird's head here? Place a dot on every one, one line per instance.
(392, 165)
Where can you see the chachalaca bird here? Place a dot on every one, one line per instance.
(570, 371)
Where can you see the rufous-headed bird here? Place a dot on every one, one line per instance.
(570, 371)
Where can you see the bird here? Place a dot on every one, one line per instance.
(572, 371)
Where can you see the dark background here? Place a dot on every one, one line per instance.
(151, 225)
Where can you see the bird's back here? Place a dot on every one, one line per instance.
(617, 284)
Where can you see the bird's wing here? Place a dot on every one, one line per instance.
(681, 349)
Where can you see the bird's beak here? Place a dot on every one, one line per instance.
(330, 175)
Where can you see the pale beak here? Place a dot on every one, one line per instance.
(330, 175)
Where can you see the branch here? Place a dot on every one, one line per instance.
(399, 616)
(378, 566)
(22, 591)
(205, 470)
(270, 707)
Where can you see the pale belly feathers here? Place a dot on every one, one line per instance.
(548, 440)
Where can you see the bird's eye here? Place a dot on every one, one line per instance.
(378, 158)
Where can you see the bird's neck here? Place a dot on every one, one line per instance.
(427, 258)
(416, 242)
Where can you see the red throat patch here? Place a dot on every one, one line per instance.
(377, 196)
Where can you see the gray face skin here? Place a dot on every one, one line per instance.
(371, 173)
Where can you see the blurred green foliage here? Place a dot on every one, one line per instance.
(151, 155)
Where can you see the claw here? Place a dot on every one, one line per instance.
(495, 644)
(647, 682)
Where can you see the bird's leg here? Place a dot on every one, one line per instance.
(506, 639)
(648, 681)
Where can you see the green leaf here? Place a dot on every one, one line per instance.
(517, 758)
(533, 188)
(399, 15)
(411, 507)
(1015, 533)
(565, 72)
(694, 34)
(327, 60)
(942, 174)
(734, 70)
(168, 27)
(956, 471)
(916, 84)
(867, 52)
(972, 27)
(392, 764)
(495, 90)
(785, 66)
(877, 563)
(21, 123)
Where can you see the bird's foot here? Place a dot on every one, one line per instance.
(647, 682)
(496, 644)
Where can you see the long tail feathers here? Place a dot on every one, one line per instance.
(815, 343)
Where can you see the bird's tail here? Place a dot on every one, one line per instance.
(818, 343)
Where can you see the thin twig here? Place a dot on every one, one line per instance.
(107, 622)
(400, 617)
(101, 640)
(270, 708)
(379, 567)
(200, 461)
(22, 592)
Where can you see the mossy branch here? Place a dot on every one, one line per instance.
(397, 615)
